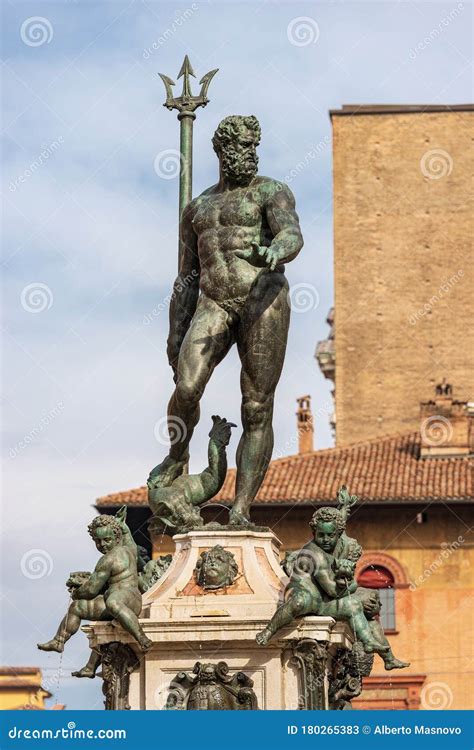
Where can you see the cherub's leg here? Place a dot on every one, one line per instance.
(91, 667)
(77, 611)
(119, 608)
(350, 609)
(385, 652)
(298, 603)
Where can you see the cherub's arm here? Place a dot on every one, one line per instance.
(97, 581)
(344, 570)
(202, 487)
(127, 538)
(186, 286)
(310, 561)
(327, 578)
(352, 587)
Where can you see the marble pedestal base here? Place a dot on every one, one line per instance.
(189, 624)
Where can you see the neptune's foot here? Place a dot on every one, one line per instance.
(238, 518)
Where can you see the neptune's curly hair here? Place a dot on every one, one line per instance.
(230, 127)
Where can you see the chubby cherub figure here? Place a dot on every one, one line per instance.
(322, 583)
(111, 592)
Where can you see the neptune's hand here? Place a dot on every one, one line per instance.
(258, 253)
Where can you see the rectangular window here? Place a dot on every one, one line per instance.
(387, 614)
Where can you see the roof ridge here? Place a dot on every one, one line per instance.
(122, 492)
(386, 468)
(292, 456)
(350, 446)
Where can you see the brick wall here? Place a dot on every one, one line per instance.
(399, 236)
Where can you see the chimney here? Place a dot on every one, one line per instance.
(447, 425)
(304, 423)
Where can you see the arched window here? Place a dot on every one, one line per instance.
(380, 578)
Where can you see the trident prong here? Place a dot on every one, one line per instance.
(204, 83)
(187, 102)
(169, 83)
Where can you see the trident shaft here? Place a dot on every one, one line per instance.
(186, 104)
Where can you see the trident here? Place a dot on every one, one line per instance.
(186, 104)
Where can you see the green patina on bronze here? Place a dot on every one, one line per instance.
(174, 499)
(322, 583)
(235, 239)
(152, 571)
(186, 104)
(113, 590)
(211, 688)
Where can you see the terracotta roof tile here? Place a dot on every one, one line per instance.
(380, 470)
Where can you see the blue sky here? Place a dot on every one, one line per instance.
(89, 241)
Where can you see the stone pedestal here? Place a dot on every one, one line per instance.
(189, 623)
